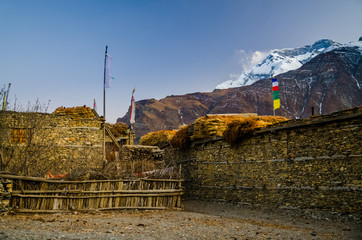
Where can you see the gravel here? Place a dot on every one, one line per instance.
(198, 220)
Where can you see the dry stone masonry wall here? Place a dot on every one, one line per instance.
(312, 163)
(50, 142)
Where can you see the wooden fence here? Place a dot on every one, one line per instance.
(30, 194)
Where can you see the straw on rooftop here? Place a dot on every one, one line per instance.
(118, 129)
(211, 126)
(181, 138)
(243, 127)
(160, 138)
(230, 127)
(78, 112)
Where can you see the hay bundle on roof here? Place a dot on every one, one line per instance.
(160, 138)
(118, 129)
(244, 127)
(212, 126)
(264, 121)
(181, 139)
(231, 127)
(77, 112)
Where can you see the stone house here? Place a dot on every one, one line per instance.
(34, 143)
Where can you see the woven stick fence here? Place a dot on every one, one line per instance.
(32, 194)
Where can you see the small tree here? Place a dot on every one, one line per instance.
(24, 144)
(4, 95)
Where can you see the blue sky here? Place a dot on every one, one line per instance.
(54, 49)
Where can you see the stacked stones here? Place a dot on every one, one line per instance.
(301, 164)
(6, 188)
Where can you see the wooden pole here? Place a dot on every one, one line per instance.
(273, 95)
(104, 106)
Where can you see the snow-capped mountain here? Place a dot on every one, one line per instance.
(283, 60)
(329, 82)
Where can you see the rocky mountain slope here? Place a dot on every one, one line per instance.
(280, 61)
(329, 82)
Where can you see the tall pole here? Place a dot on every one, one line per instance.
(104, 106)
(272, 94)
(104, 84)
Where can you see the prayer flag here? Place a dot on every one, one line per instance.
(276, 103)
(276, 99)
(133, 111)
(107, 73)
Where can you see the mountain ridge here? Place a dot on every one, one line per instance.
(329, 82)
(282, 60)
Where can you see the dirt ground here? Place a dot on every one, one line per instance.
(198, 220)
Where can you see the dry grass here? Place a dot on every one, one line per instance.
(181, 138)
(118, 129)
(159, 138)
(77, 112)
(211, 126)
(244, 127)
(231, 127)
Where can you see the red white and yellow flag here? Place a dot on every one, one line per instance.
(133, 110)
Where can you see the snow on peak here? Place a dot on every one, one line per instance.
(282, 60)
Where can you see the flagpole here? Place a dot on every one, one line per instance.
(272, 94)
(104, 106)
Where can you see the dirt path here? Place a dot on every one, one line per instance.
(199, 220)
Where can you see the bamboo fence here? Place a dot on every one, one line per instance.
(32, 194)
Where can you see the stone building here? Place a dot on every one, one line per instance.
(35, 143)
(70, 140)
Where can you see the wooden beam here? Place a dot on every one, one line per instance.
(96, 192)
(100, 196)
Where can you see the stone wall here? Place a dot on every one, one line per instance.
(55, 142)
(312, 163)
(137, 159)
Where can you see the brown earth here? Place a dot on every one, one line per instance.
(198, 220)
